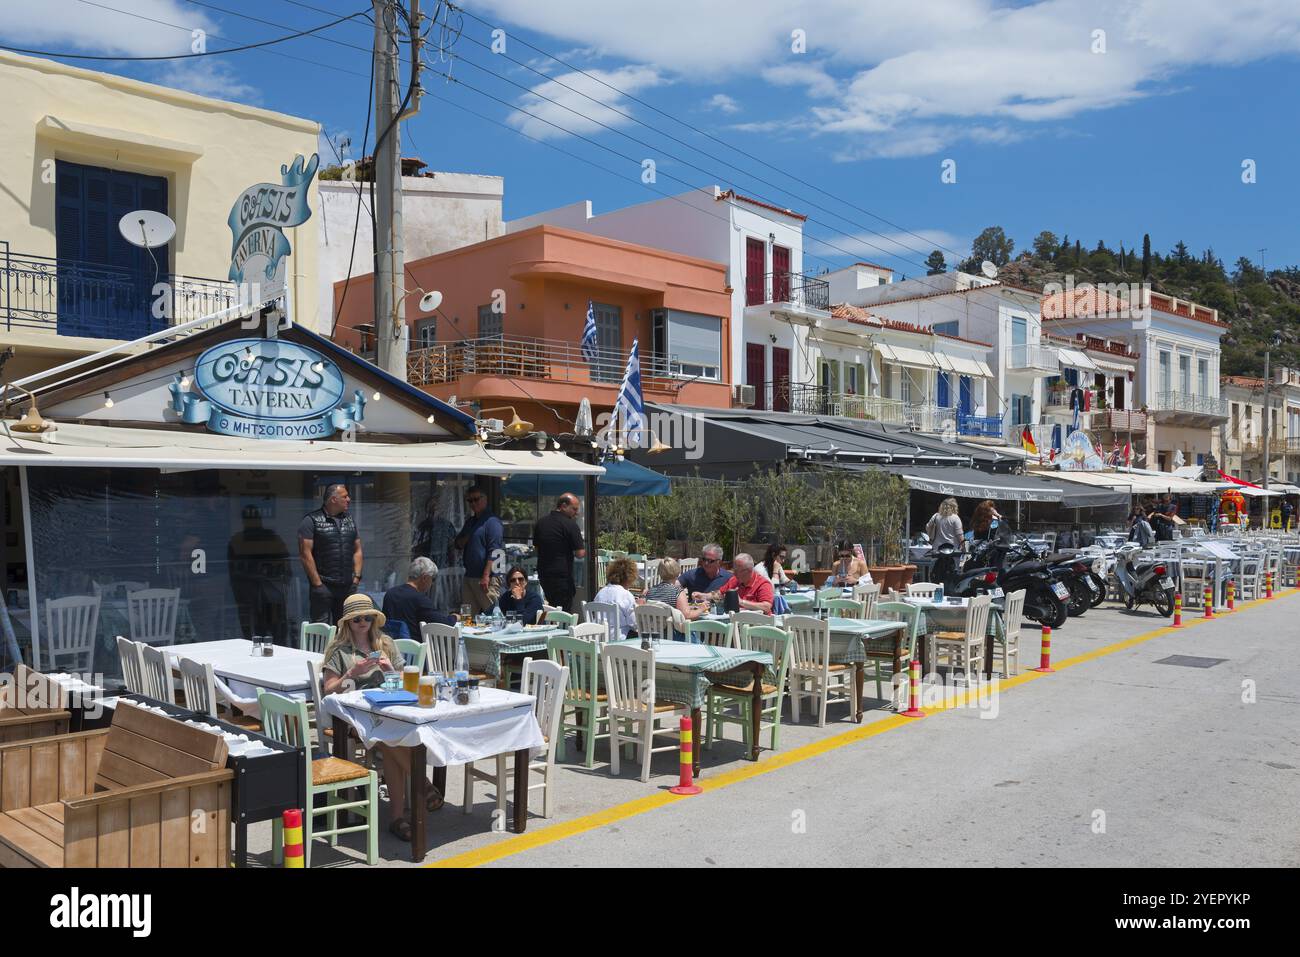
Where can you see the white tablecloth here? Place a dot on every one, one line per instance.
(284, 672)
(501, 722)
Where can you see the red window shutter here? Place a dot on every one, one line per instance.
(780, 274)
(780, 379)
(755, 372)
(754, 272)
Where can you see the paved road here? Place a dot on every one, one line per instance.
(1114, 760)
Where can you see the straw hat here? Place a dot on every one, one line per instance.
(354, 606)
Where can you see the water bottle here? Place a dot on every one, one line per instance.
(462, 656)
(938, 594)
(498, 619)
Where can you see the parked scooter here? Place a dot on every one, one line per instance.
(1144, 582)
(987, 572)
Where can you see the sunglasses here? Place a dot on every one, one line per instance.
(471, 501)
(517, 579)
(710, 561)
(846, 554)
(364, 619)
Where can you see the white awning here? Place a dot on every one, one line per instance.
(1137, 483)
(903, 356)
(1107, 365)
(100, 446)
(970, 367)
(1077, 360)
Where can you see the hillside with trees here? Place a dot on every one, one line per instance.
(1256, 306)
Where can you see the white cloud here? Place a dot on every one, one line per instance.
(819, 83)
(723, 103)
(210, 77)
(60, 25)
(573, 108)
(886, 244)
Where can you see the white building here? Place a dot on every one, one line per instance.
(440, 211)
(1241, 439)
(773, 301)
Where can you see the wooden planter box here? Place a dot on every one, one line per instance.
(31, 706)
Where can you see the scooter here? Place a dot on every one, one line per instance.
(1144, 582)
(1046, 597)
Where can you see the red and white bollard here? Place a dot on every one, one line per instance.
(1045, 660)
(1178, 609)
(1268, 584)
(914, 688)
(1209, 602)
(292, 837)
(686, 782)
(1232, 595)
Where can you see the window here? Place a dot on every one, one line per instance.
(946, 328)
(1202, 376)
(1185, 375)
(426, 333)
(490, 323)
(1164, 372)
(1022, 407)
(694, 344)
(1236, 421)
(609, 340)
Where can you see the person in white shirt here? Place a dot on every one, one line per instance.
(773, 565)
(621, 573)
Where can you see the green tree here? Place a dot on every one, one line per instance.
(1146, 255)
(994, 245)
(935, 263)
(1044, 245)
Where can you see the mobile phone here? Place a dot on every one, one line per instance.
(375, 654)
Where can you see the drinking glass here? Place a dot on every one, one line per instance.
(466, 614)
(410, 678)
(426, 690)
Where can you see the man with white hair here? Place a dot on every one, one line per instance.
(708, 575)
(409, 602)
(755, 591)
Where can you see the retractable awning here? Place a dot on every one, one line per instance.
(620, 478)
(1073, 359)
(1107, 365)
(1026, 487)
(963, 366)
(904, 356)
(99, 446)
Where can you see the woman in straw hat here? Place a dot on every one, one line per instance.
(357, 657)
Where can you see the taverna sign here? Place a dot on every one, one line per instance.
(267, 389)
(257, 223)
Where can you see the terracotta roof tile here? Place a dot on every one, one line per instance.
(732, 194)
(860, 316)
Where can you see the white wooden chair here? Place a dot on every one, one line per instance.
(1250, 584)
(71, 628)
(869, 594)
(651, 576)
(740, 622)
(116, 589)
(596, 631)
(151, 615)
(964, 649)
(199, 685)
(634, 711)
(605, 613)
(324, 731)
(1195, 576)
(1013, 609)
(128, 653)
(157, 674)
(442, 642)
(314, 636)
(447, 587)
(922, 589)
(811, 672)
(546, 682)
(654, 619)
(689, 565)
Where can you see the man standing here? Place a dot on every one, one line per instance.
(410, 603)
(482, 545)
(709, 576)
(258, 560)
(559, 541)
(330, 550)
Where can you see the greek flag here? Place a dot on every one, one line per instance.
(629, 403)
(589, 335)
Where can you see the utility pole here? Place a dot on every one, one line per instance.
(1267, 464)
(390, 252)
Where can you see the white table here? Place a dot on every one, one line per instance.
(499, 723)
(284, 672)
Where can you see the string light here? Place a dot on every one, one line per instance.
(378, 397)
(185, 381)
(108, 401)
(430, 419)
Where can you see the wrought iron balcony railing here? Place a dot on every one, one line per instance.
(1188, 403)
(801, 291)
(814, 400)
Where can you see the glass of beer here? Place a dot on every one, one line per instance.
(426, 690)
(410, 678)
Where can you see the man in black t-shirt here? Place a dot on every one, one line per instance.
(559, 541)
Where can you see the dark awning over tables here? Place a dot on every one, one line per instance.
(971, 483)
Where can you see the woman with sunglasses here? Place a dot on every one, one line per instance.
(517, 600)
(850, 569)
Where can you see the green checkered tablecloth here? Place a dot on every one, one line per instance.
(854, 640)
(485, 650)
(683, 672)
(800, 601)
(953, 618)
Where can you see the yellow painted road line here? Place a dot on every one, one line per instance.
(540, 837)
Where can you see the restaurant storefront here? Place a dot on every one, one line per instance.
(186, 472)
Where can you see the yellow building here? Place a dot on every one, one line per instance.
(78, 149)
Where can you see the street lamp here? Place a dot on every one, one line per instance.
(1277, 341)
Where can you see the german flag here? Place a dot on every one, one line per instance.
(1027, 442)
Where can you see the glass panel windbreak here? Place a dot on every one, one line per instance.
(226, 541)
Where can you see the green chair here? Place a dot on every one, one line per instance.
(898, 611)
(775, 642)
(413, 652)
(845, 608)
(565, 618)
(315, 636)
(285, 720)
(824, 594)
(705, 632)
(582, 696)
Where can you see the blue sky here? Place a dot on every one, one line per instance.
(1046, 129)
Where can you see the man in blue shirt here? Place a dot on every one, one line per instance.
(708, 576)
(410, 603)
(482, 545)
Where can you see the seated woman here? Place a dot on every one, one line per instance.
(850, 569)
(357, 658)
(518, 600)
(673, 594)
(621, 573)
(773, 565)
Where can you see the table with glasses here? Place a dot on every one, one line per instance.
(950, 615)
(501, 722)
(487, 648)
(800, 601)
(684, 673)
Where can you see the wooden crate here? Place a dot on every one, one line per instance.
(31, 706)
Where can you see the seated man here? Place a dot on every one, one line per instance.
(708, 576)
(409, 602)
(755, 591)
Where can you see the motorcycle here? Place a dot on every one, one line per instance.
(1144, 582)
(988, 572)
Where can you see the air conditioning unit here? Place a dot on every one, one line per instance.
(743, 395)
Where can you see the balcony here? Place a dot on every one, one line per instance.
(814, 400)
(1184, 408)
(70, 298)
(1034, 359)
(1293, 445)
(980, 426)
(802, 293)
(1277, 447)
(1119, 420)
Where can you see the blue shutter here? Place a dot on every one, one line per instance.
(943, 391)
(963, 395)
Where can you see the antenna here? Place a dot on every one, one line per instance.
(147, 229)
(988, 269)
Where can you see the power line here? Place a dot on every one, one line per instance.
(271, 23)
(178, 56)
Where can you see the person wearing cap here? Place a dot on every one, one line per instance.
(358, 656)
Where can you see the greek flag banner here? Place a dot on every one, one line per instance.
(630, 405)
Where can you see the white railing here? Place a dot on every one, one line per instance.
(1036, 357)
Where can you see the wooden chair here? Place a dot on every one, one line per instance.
(128, 653)
(897, 611)
(582, 696)
(555, 616)
(922, 589)
(717, 633)
(200, 686)
(157, 671)
(823, 594)
(71, 628)
(594, 631)
(1013, 609)
(869, 594)
(964, 649)
(285, 720)
(130, 795)
(845, 608)
(151, 615)
(776, 642)
(630, 684)
(654, 619)
(31, 706)
(314, 636)
(811, 672)
(442, 642)
(741, 620)
(547, 682)
(605, 613)
(413, 652)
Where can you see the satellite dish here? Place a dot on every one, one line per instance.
(146, 228)
(430, 301)
(988, 269)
